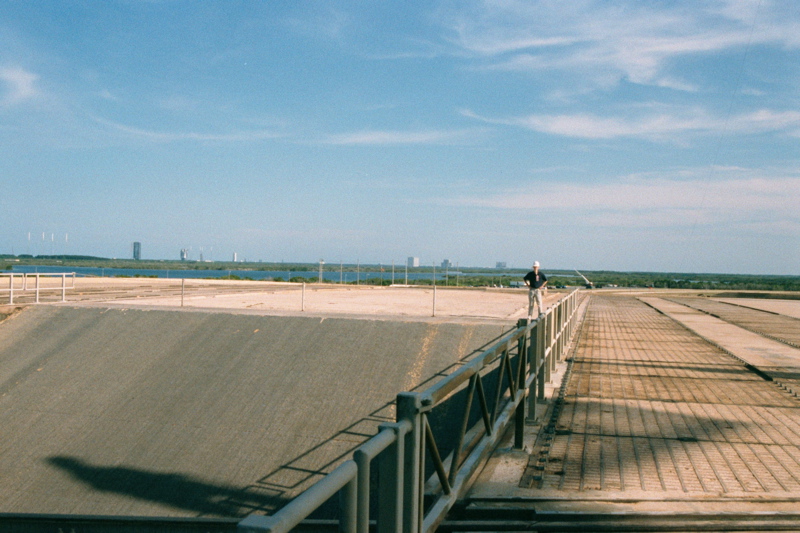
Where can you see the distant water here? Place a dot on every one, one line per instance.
(333, 276)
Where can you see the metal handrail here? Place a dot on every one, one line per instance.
(37, 288)
(403, 448)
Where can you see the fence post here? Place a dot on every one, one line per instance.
(568, 311)
(551, 328)
(534, 360)
(541, 347)
(519, 415)
(544, 322)
(573, 305)
(409, 405)
(557, 327)
(11, 289)
(63, 287)
(347, 506)
(303, 297)
(362, 490)
(183, 288)
(390, 484)
(37, 288)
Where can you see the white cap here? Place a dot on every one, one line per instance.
(535, 264)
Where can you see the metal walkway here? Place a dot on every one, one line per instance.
(655, 428)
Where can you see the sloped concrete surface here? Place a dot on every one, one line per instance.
(170, 413)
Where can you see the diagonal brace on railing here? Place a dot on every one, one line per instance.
(401, 494)
(433, 450)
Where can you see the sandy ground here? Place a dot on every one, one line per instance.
(312, 300)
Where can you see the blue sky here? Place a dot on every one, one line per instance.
(624, 135)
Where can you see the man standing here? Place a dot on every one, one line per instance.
(536, 281)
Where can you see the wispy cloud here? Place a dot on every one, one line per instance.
(389, 137)
(611, 41)
(326, 22)
(20, 85)
(662, 125)
(167, 137)
(666, 199)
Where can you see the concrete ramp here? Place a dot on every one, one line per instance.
(184, 414)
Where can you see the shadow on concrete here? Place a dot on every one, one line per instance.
(178, 491)
(296, 475)
(266, 494)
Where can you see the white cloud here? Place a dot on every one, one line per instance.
(20, 85)
(611, 41)
(388, 137)
(664, 125)
(721, 195)
(164, 137)
(325, 22)
(765, 120)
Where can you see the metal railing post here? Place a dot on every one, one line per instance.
(63, 287)
(573, 310)
(546, 355)
(37, 288)
(409, 405)
(542, 361)
(568, 329)
(556, 338)
(558, 330)
(348, 501)
(362, 490)
(551, 342)
(519, 415)
(400, 449)
(390, 484)
(533, 362)
(11, 289)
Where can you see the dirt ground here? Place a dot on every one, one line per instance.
(260, 297)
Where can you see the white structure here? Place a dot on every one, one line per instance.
(447, 264)
(500, 264)
(413, 262)
(184, 254)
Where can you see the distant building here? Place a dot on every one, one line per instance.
(500, 264)
(184, 254)
(137, 251)
(413, 261)
(447, 264)
(235, 257)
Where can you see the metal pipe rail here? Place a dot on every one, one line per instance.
(37, 288)
(409, 498)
